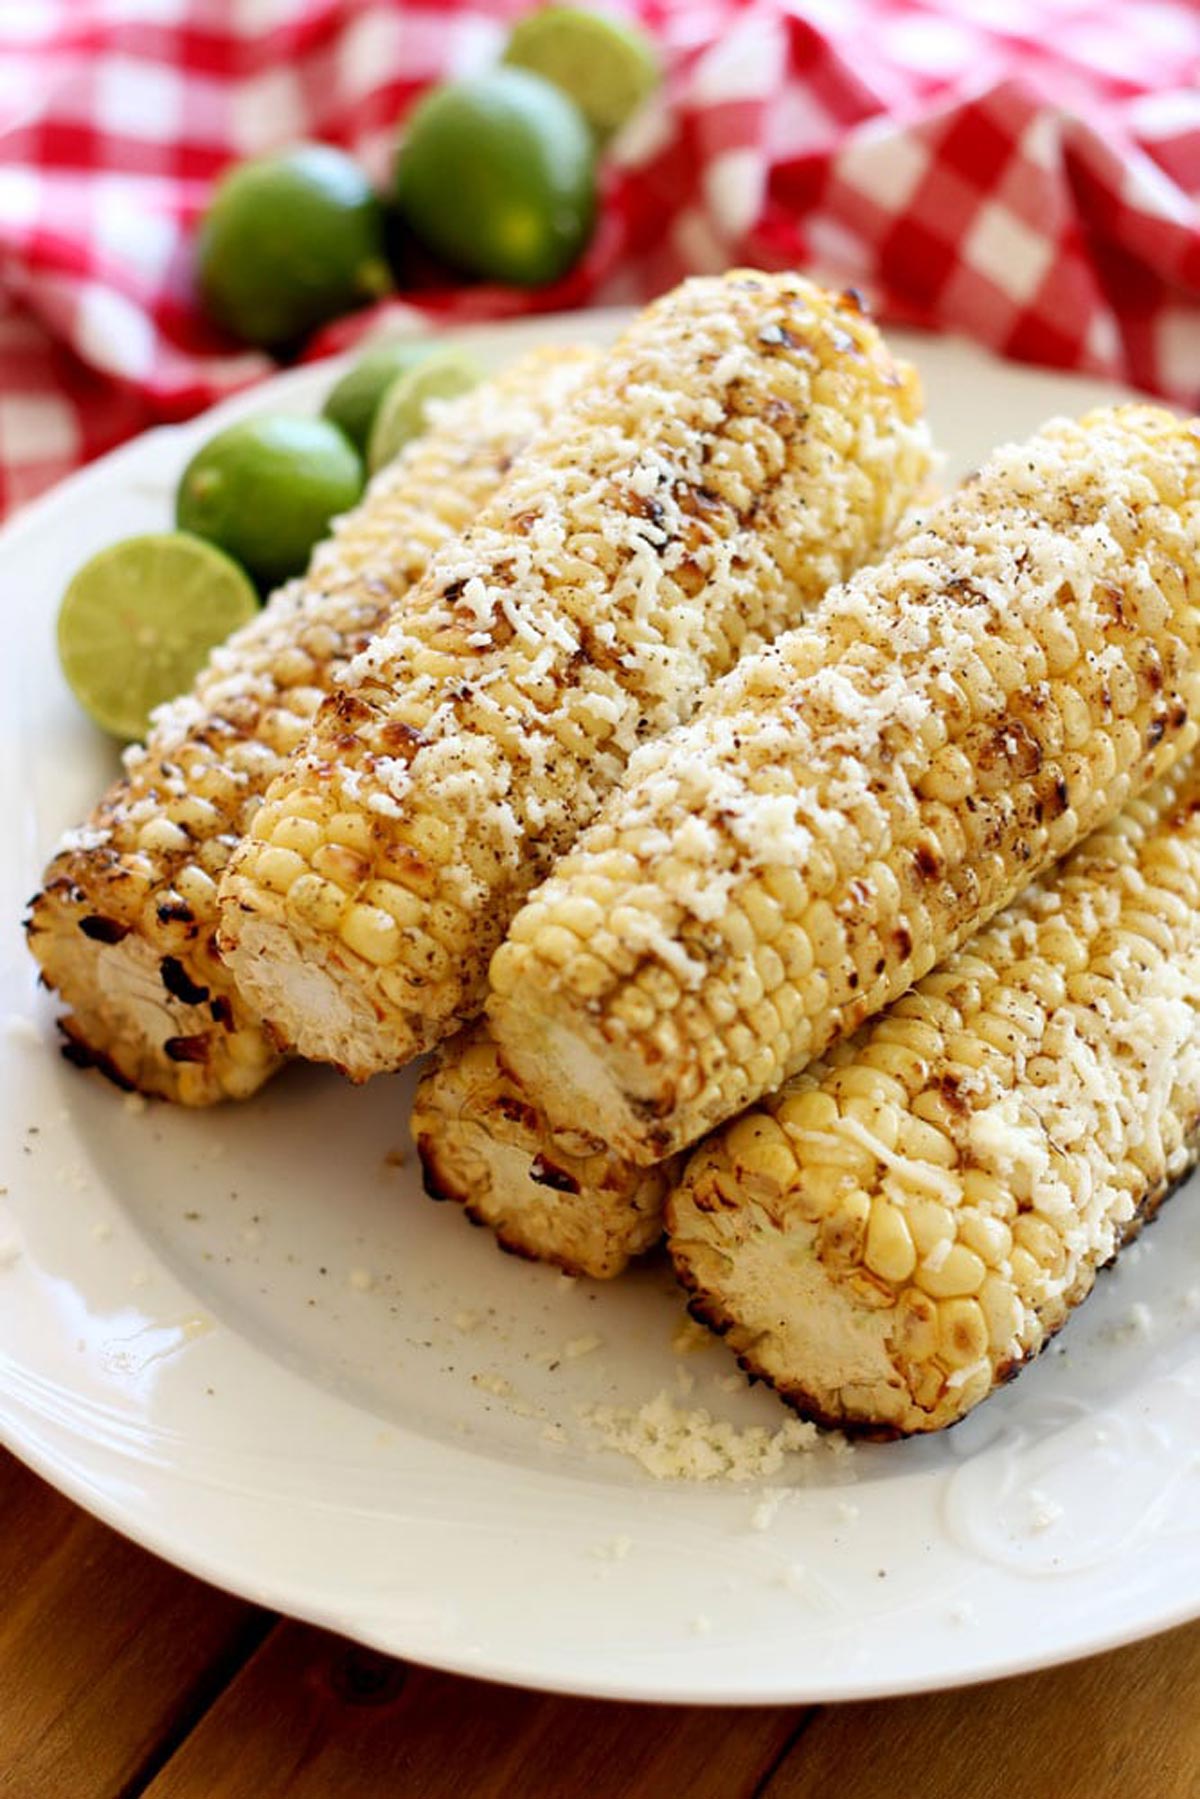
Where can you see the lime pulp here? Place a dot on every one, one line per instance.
(403, 410)
(139, 621)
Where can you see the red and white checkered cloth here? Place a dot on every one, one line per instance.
(1026, 171)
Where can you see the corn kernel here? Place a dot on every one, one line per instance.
(1041, 1241)
(809, 1109)
(276, 869)
(318, 903)
(371, 933)
(345, 867)
(162, 838)
(959, 1271)
(916, 1326)
(889, 1250)
(763, 914)
(403, 906)
(198, 817)
(988, 1236)
(1002, 1313)
(759, 1150)
(505, 968)
(825, 934)
(296, 803)
(950, 777)
(927, 1384)
(197, 890)
(303, 835)
(921, 1142)
(962, 1332)
(841, 1233)
(1029, 1277)
(929, 1222)
(213, 856)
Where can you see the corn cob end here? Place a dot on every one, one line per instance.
(550, 1195)
(878, 1404)
(148, 1003)
(358, 1036)
(557, 1056)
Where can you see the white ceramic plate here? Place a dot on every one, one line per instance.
(247, 1340)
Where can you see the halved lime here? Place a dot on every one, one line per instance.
(497, 175)
(607, 66)
(354, 400)
(289, 241)
(137, 624)
(402, 413)
(266, 490)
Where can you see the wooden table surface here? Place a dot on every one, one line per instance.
(120, 1676)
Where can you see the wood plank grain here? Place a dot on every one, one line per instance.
(107, 1654)
(1116, 1727)
(310, 1716)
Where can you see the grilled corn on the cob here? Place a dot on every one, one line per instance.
(745, 443)
(553, 1195)
(903, 1226)
(124, 925)
(850, 805)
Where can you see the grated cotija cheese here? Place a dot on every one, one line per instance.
(674, 1443)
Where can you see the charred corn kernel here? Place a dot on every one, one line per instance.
(560, 1196)
(346, 868)
(124, 926)
(746, 442)
(814, 752)
(1045, 1179)
(916, 1334)
(842, 1232)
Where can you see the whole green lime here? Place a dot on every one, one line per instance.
(265, 491)
(497, 174)
(354, 400)
(290, 241)
(607, 66)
